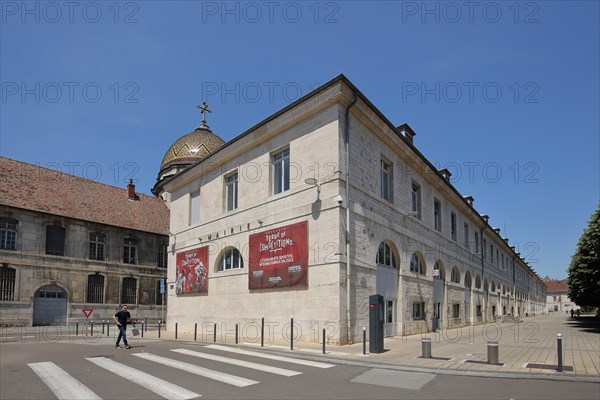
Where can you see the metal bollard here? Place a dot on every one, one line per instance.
(324, 340)
(195, 330)
(236, 332)
(92, 329)
(492, 352)
(107, 328)
(146, 323)
(159, 328)
(76, 328)
(215, 332)
(103, 327)
(262, 332)
(559, 345)
(426, 347)
(364, 340)
(175, 330)
(142, 328)
(292, 333)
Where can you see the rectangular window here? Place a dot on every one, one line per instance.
(7, 284)
(478, 310)
(195, 208)
(466, 229)
(161, 259)
(97, 241)
(95, 289)
(491, 253)
(497, 257)
(455, 310)
(281, 171)
(55, 240)
(129, 291)
(130, 252)
(484, 248)
(415, 203)
(386, 181)
(418, 311)
(231, 192)
(389, 312)
(453, 225)
(8, 234)
(437, 215)
(476, 242)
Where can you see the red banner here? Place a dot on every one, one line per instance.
(279, 257)
(192, 271)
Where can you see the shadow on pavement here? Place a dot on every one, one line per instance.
(585, 323)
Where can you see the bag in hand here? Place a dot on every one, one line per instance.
(135, 332)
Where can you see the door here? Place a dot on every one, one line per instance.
(50, 306)
(438, 298)
(387, 286)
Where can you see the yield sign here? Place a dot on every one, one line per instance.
(87, 311)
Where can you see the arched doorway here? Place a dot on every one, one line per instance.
(439, 276)
(387, 285)
(50, 306)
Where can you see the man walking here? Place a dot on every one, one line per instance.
(122, 318)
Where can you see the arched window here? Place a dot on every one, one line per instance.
(8, 234)
(438, 271)
(455, 275)
(468, 281)
(477, 282)
(231, 259)
(385, 256)
(493, 287)
(416, 264)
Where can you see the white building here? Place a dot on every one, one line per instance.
(266, 225)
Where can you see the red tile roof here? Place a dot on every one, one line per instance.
(556, 286)
(31, 187)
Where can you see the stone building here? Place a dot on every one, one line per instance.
(319, 206)
(557, 296)
(68, 243)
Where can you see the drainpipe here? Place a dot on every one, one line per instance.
(482, 270)
(347, 145)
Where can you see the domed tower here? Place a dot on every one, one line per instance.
(187, 150)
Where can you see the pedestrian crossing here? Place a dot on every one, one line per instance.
(205, 364)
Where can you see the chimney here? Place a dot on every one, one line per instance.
(506, 239)
(485, 217)
(446, 174)
(407, 132)
(469, 200)
(131, 191)
(497, 230)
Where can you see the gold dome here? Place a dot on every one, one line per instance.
(192, 147)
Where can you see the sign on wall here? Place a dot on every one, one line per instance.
(192, 271)
(279, 257)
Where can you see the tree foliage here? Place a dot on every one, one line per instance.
(584, 271)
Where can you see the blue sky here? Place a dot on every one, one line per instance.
(503, 94)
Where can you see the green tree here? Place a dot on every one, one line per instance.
(584, 271)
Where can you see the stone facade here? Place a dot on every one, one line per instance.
(352, 228)
(40, 288)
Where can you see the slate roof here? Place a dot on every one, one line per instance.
(35, 188)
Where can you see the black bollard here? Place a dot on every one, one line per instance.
(324, 340)
(262, 332)
(175, 330)
(92, 329)
(107, 328)
(292, 333)
(215, 333)
(142, 328)
(103, 327)
(364, 341)
(146, 321)
(559, 345)
(236, 332)
(159, 328)
(195, 330)
(76, 328)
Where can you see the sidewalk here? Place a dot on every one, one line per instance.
(525, 348)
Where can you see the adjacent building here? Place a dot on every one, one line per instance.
(557, 296)
(68, 243)
(319, 206)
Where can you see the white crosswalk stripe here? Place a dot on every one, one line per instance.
(241, 363)
(63, 385)
(270, 356)
(194, 369)
(159, 386)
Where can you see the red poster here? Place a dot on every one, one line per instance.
(192, 271)
(279, 257)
